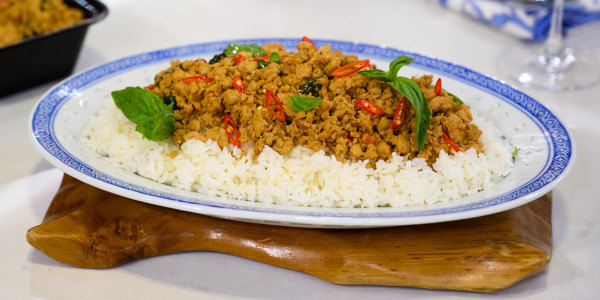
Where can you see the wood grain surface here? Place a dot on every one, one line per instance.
(90, 228)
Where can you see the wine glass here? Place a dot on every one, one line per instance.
(552, 66)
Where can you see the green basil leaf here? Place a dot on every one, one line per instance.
(375, 74)
(454, 98)
(262, 63)
(413, 93)
(311, 87)
(396, 65)
(301, 103)
(155, 120)
(253, 49)
(275, 58)
(216, 58)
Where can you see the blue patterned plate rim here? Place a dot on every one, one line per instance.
(558, 139)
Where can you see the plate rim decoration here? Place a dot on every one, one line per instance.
(560, 159)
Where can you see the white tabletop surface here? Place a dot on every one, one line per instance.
(27, 182)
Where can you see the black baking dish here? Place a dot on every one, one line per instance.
(47, 56)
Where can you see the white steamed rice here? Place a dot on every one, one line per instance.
(302, 177)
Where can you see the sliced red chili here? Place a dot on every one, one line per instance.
(201, 59)
(369, 107)
(232, 132)
(341, 71)
(368, 138)
(265, 58)
(438, 87)
(280, 115)
(306, 39)
(399, 114)
(149, 87)
(196, 78)
(262, 57)
(238, 84)
(238, 58)
(452, 145)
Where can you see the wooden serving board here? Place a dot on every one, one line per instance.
(90, 228)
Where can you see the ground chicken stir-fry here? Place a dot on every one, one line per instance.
(21, 19)
(337, 125)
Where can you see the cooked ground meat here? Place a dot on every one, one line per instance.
(21, 19)
(337, 125)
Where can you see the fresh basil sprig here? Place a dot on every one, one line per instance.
(155, 120)
(408, 89)
(301, 103)
(392, 73)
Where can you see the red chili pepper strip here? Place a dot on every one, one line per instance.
(231, 128)
(149, 87)
(196, 78)
(306, 39)
(202, 60)
(270, 96)
(369, 107)
(262, 57)
(452, 145)
(438, 87)
(399, 114)
(368, 139)
(238, 84)
(341, 71)
(238, 58)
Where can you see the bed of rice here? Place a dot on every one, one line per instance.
(302, 177)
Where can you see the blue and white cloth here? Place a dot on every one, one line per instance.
(527, 22)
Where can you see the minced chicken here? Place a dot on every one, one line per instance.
(337, 125)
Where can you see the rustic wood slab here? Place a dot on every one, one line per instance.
(90, 228)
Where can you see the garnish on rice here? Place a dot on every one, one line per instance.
(154, 119)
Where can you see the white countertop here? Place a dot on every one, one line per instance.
(27, 182)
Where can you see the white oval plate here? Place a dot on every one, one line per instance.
(547, 149)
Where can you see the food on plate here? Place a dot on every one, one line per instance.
(22, 19)
(312, 127)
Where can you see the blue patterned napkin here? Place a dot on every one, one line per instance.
(528, 22)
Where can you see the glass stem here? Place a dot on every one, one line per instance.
(554, 42)
(554, 57)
